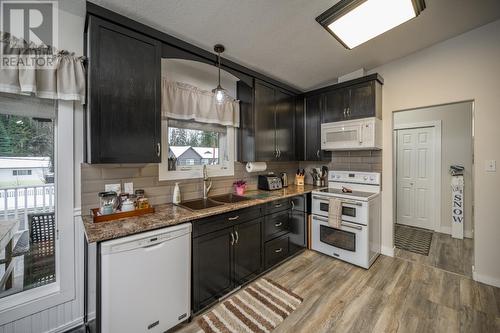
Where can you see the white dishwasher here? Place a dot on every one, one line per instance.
(146, 281)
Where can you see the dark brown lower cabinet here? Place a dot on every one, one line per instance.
(276, 250)
(225, 259)
(229, 252)
(212, 267)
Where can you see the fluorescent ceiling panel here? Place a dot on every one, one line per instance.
(354, 22)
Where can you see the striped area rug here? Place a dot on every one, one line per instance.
(259, 307)
(411, 239)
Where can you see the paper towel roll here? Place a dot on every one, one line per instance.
(256, 166)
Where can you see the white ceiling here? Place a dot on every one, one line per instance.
(281, 38)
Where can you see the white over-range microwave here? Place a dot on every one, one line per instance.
(359, 134)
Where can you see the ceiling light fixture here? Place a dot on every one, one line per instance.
(219, 92)
(353, 22)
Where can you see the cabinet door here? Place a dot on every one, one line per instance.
(212, 267)
(335, 108)
(362, 100)
(247, 251)
(124, 95)
(265, 134)
(285, 124)
(313, 128)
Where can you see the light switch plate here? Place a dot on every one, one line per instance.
(491, 166)
(128, 188)
(113, 187)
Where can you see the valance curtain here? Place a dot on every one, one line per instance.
(186, 102)
(40, 70)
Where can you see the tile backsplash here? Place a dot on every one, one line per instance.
(145, 176)
(356, 160)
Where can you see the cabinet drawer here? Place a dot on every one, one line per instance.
(276, 224)
(218, 222)
(276, 250)
(277, 206)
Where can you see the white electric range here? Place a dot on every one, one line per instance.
(358, 241)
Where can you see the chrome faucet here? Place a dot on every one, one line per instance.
(206, 181)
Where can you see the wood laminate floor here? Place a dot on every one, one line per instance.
(394, 295)
(450, 254)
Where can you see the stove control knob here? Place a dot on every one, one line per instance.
(365, 178)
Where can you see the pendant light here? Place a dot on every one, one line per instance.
(219, 92)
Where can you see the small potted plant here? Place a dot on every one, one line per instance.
(240, 187)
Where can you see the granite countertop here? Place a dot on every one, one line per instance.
(168, 215)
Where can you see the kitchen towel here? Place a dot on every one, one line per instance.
(335, 213)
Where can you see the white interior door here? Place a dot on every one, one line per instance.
(415, 177)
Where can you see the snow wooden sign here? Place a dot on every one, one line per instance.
(457, 207)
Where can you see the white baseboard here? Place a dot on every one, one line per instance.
(492, 281)
(447, 230)
(73, 324)
(387, 251)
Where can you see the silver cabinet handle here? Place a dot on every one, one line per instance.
(278, 224)
(279, 153)
(317, 153)
(278, 205)
(237, 237)
(293, 204)
(320, 198)
(345, 112)
(234, 218)
(351, 226)
(348, 112)
(232, 239)
(158, 149)
(278, 250)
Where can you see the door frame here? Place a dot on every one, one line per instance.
(436, 125)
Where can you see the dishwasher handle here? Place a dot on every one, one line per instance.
(153, 241)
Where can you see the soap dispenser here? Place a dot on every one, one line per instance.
(177, 194)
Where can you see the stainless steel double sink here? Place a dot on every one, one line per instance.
(215, 201)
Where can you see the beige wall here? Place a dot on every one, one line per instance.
(456, 149)
(466, 67)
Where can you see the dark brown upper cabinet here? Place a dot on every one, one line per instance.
(267, 123)
(314, 106)
(360, 98)
(123, 115)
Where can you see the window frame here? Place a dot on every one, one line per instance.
(25, 303)
(226, 168)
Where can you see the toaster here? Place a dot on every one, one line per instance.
(269, 182)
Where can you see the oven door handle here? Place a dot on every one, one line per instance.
(348, 202)
(351, 226)
(320, 219)
(323, 219)
(320, 198)
(352, 203)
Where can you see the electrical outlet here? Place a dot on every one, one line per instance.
(113, 187)
(128, 188)
(491, 166)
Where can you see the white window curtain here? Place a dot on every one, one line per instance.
(186, 102)
(25, 69)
